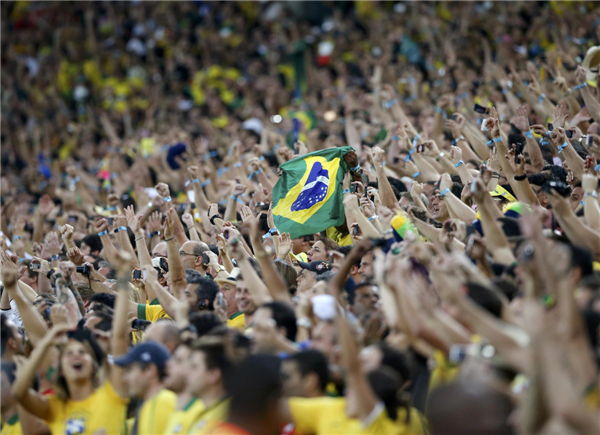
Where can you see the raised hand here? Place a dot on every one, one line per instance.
(169, 223)
(558, 136)
(193, 172)
(521, 121)
(455, 154)
(9, 270)
(101, 225)
(285, 245)
(66, 232)
(539, 129)
(367, 206)
(518, 168)
(153, 223)
(188, 220)
(51, 245)
(580, 75)
(213, 210)
(132, 220)
(75, 256)
(162, 189)
(238, 189)
(560, 116)
(378, 155)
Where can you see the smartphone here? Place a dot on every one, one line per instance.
(480, 109)
(34, 266)
(72, 218)
(355, 229)
(205, 259)
(473, 187)
(164, 264)
(378, 243)
(589, 141)
(448, 226)
(295, 133)
(140, 325)
(483, 169)
(353, 188)
(550, 126)
(569, 133)
(137, 274)
(220, 298)
(110, 220)
(144, 274)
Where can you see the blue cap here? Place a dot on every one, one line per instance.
(148, 352)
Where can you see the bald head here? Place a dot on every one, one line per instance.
(191, 255)
(165, 332)
(468, 408)
(160, 250)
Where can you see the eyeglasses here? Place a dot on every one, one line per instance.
(182, 253)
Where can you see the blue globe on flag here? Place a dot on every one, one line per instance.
(315, 189)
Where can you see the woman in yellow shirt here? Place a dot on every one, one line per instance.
(82, 404)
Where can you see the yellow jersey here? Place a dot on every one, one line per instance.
(181, 419)
(104, 409)
(154, 414)
(12, 426)
(327, 416)
(151, 312)
(237, 321)
(217, 412)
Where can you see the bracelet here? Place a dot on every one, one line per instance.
(167, 199)
(593, 194)
(74, 181)
(583, 85)
(102, 233)
(168, 240)
(55, 257)
(395, 138)
(408, 156)
(444, 192)
(373, 217)
(355, 169)
(237, 165)
(274, 231)
(443, 112)
(458, 139)
(562, 147)
(390, 103)
(213, 217)
(497, 139)
(520, 177)
(439, 157)
(260, 171)
(139, 238)
(416, 174)
(415, 139)
(154, 233)
(489, 143)
(235, 198)
(50, 272)
(221, 170)
(528, 134)
(121, 229)
(205, 183)
(460, 162)
(542, 97)
(261, 158)
(17, 237)
(345, 191)
(497, 176)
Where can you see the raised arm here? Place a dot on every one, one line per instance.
(176, 270)
(120, 329)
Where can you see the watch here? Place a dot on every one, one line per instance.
(304, 322)
(593, 194)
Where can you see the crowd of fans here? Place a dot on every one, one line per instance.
(147, 290)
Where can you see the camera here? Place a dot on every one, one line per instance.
(140, 325)
(562, 188)
(84, 270)
(137, 274)
(34, 266)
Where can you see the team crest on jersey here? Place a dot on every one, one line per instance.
(75, 426)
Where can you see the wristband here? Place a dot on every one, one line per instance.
(542, 97)
(460, 162)
(593, 194)
(497, 139)
(260, 171)
(154, 233)
(273, 231)
(16, 238)
(395, 138)
(237, 165)
(50, 272)
(439, 157)
(355, 168)
(74, 181)
(489, 143)
(443, 112)
(235, 198)
(261, 158)
(444, 192)
(121, 229)
(102, 233)
(112, 208)
(346, 191)
(194, 181)
(458, 139)
(416, 174)
(54, 257)
(167, 199)
(390, 103)
(462, 96)
(205, 183)
(583, 85)
(520, 177)
(222, 170)
(528, 134)
(408, 156)
(415, 139)
(562, 147)
(597, 168)
(139, 238)
(212, 218)
(373, 217)
(168, 240)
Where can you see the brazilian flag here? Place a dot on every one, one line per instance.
(308, 197)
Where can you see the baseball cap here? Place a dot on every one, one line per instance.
(501, 191)
(147, 352)
(315, 266)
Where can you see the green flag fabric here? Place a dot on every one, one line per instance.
(308, 197)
